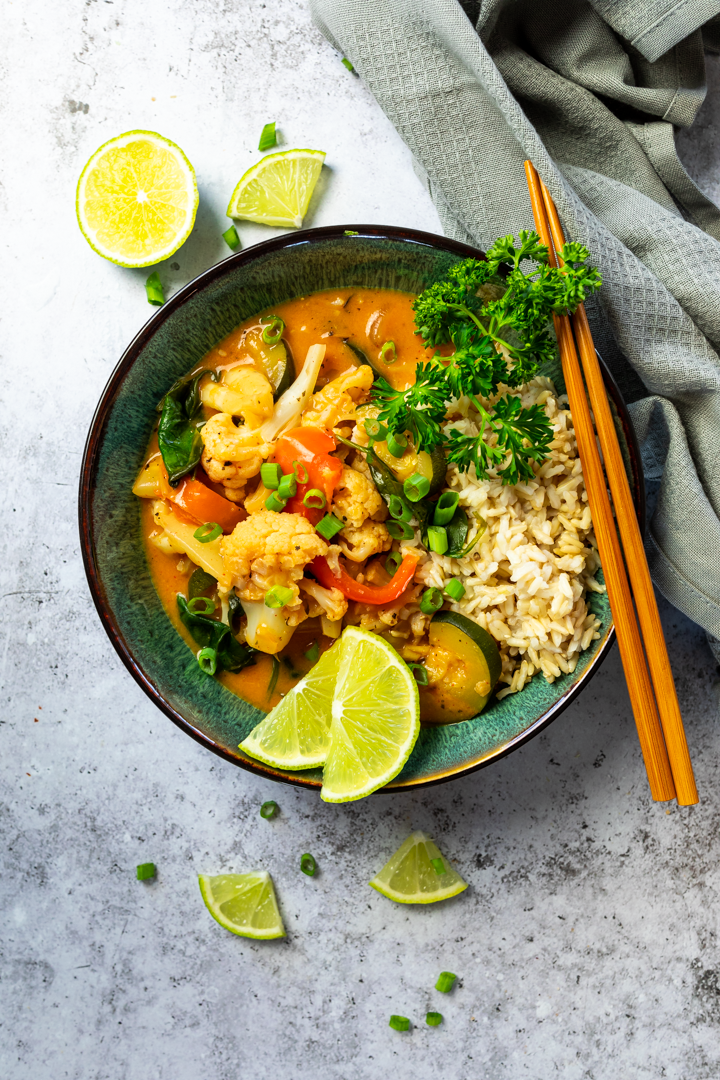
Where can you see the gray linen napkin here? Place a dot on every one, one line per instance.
(591, 93)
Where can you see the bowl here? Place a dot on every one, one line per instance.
(169, 345)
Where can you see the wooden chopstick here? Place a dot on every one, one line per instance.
(631, 652)
(637, 567)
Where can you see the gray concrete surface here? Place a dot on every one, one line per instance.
(586, 945)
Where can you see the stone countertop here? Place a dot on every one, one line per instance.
(586, 945)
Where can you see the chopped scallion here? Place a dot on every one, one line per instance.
(329, 526)
(445, 982)
(392, 562)
(145, 871)
(271, 475)
(350, 232)
(399, 509)
(455, 589)
(207, 661)
(375, 430)
(346, 63)
(396, 444)
(437, 539)
(301, 479)
(231, 238)
(431, 601)
(420, 673)
(274, 327)
(315, 499)
(278, 596)
(399, 1023)
(154, 290)
(208, 532)
(308, 864)
(400, 530)
(274, 503)
(438, 866)
(416, 487)
(445, 507)
(268, 137)
(432, 1019)
(269, 809)
(313, 653)
(388, 353)
(201, 605)
(287, 487)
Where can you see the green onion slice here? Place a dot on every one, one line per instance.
(287, 487)
(308, 864)
(431, 601)
(375, 430)
(208, 532)
(268, 137)
(396, 444)
(437, 539)
(271, 474)
(145, 871)
(201, 605)
(432, 1019)
(313, 653)
(399, 1023)
(297, 466)
(274, 503)
(315, 499)
(392, 562)
(399, 508)
(446, 981)
(346, 63)
(231, 238)
(278, 596)
(388, 353)
(400, 530)
(274, 327)
(269, 809)
(154, 290)
(438, 866)
(455, 589)
(445, 507)
(329, 526)
(207, 660)
(420, 673)
(416, 487)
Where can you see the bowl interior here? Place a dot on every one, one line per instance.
(172, 342)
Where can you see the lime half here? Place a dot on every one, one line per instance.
(136, 199)
(278, 188)
(244, 904)
(375, 717)
(418, 874)
(296, 733)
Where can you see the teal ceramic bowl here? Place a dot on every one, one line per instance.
(169, 345)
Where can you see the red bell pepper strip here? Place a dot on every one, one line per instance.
(366, 594)
(311, 448)
(205, 505)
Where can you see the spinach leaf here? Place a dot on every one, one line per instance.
(200, 583)
(457, 529)
(211, 634)
(235, 607)
(179, 436)
(388, 484)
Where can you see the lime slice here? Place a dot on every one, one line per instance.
(277, 189)
(375, 718)
(244, 904)
(296, 734)
(409, 877)
(136, 199)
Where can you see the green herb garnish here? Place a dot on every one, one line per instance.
(432, 1019)
(399, 1023)
(154, 290)
(269, 809)
(446, 981)
(145, 871)
(231, 238)
(308, 864)
(268, 137)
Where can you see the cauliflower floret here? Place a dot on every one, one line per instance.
(330, 601)
(369, 539)
(242, 391)
(356, 498)
(338, 400)
(270, 549)
(231, 454)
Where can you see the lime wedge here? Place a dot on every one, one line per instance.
(244, 904)
(296, 734)
(278, 188)
(375, 718)
(136, 199)
(409, 876)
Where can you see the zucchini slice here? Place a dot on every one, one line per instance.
(274, 361)
(473, 669)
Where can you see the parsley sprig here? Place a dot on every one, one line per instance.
(495, 312)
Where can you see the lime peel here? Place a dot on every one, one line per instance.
(409, 876)
(244, 904)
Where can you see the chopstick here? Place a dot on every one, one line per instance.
(637, 567)
(640, 689)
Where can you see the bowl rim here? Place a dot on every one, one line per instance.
(96, 434)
